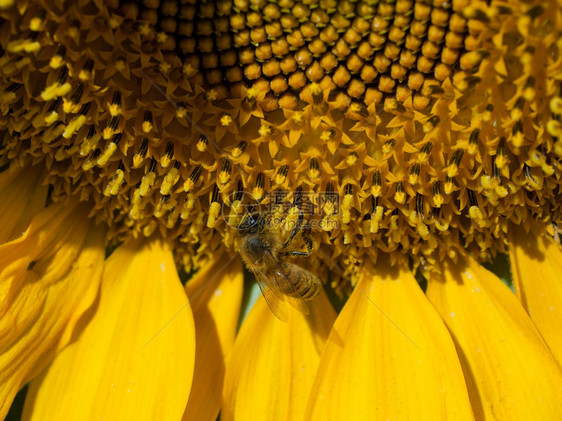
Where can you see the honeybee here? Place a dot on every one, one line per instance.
(263, 251)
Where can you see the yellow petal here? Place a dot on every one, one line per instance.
(21, 198)
(389, 356)
(134, 359)
(273, 363)
(509, 371)
(536, 266)
(215, 294)
(49, 277)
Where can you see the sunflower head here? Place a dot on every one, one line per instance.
(405, 128)
(379, 138)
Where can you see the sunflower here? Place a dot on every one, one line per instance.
(415, 145)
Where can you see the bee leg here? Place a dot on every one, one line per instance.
(295, 231)
(307, 242)
(261, 224)
(295, 253)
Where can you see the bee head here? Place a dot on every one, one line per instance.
(255, 245)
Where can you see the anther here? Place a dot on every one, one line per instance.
(57, 89)
(239, 149)
(453, 168)
(115, 106)
(77, 93)
(164, 205)
(495, 169)
(449, 185)
(314, 168)
(202, 143)
(89, 142)
(170, 179)
(239, 191)
(141, 153)
(147, 121)
(423, 157)
(436, 195)
(193, 177)
(250, 99)
(109, 150)
(74, 125)
(376, 217)
(91, 161)
(399, 193)
(419, 204)
(58, 59)
(487, 114)
(214, 208)
(389, 146)
(114, 185)
(148, 180)
(51, 116)
(281, 174)
(347, 203)
(376, 184)
(316, 91)
(414, 176)
(516, 113)
(431, 123)
(258, 190)
(501, 158)
(111, 127)
(86, 71)
(265, 130)
(166, 159)
(360, 109)
(225, 172)
(473, 141)
(188, 206)
(54, 105)
(63, 74)
(327, 135)
(225, 120)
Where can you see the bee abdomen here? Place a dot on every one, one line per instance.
(306, 285)
(308, 289)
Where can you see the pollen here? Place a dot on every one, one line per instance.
(398, 127)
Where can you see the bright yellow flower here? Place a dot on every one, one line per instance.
(415, 141)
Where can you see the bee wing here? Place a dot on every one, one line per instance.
(283, 282)
(299, 304)
(273, 297)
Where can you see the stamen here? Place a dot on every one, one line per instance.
(400, 194)
(214, 208)
(109, 150)
(202, 143)
(258, 190)
(226, 170)
(454, 162)
(148, 180)
(116, 182)
(171, 178)
(166, 159)
(437, 196)
(314, 168)
(193, 177)
(141, 153)
(147, 122)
